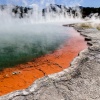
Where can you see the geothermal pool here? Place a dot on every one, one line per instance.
(22, 43)
(36, 45)
(49, 50)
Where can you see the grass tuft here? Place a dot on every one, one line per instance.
(86, 25)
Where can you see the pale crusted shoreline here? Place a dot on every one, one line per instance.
(81, 81)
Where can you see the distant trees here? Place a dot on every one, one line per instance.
(21, 11)
(85, 11)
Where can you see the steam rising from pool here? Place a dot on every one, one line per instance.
(34, 35)
(25, 42)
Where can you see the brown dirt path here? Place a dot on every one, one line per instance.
(23, 75)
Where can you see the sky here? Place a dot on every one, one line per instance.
(84, 3)
(91, 3)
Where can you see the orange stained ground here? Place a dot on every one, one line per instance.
(39, 67)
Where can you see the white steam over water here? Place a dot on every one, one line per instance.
(25, 42)
(34, 35)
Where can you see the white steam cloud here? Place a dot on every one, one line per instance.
(31, 36)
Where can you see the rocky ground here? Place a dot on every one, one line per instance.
(81, 81)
